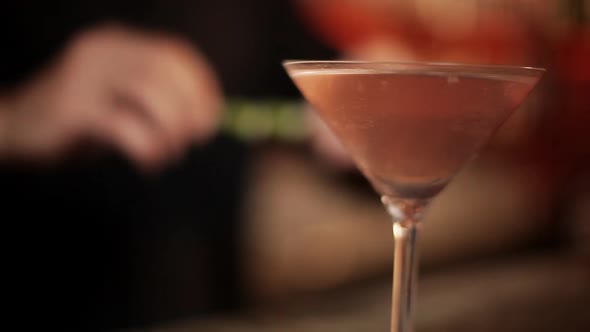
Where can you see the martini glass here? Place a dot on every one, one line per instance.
(410, 127)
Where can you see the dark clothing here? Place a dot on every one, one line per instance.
(95, 245)
(92, 245)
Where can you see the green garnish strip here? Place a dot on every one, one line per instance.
(265, 119)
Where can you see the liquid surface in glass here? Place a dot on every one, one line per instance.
(411, 131)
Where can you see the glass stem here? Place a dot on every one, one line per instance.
(406, 225)
(405, 264)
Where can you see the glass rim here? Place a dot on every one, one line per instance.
(413, 65)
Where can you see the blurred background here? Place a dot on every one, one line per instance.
(159, 171)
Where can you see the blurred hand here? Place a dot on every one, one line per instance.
(149, 96)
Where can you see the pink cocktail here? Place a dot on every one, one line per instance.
(410, 127)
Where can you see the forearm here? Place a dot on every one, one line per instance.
(6, 112)
(4, 109)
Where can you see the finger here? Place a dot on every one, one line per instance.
(157, 105)
(136, 139)
(205, 106)
(197, 87)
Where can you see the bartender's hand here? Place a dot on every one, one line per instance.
(149, 96)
